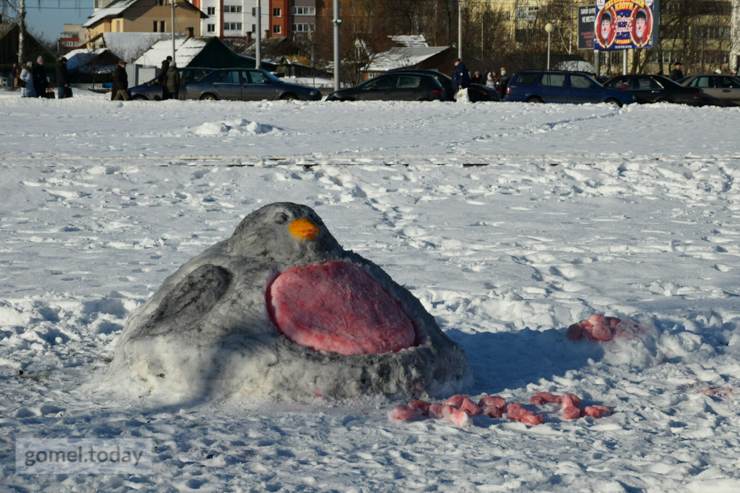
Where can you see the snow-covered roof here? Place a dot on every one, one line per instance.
(185, 51)
(130, 46)
(112, 10)
(409, 40)
(403, 56)
(80, 57)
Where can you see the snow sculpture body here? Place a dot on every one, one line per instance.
(280, 310)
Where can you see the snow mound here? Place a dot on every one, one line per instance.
(233, 127)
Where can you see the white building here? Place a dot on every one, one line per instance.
(238, 19)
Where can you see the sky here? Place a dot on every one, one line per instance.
(48, 21)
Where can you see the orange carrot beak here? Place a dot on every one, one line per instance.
(303, 229)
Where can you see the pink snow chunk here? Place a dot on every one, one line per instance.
(517, 412)
(421, 406)
(404, 413)
(570, 400)
(456, 416)
(597, 327)
(596, 411)
(571, 412)
(339, 308)
(492, 406)
(470, 407)
(455, 400)
(435, 410)
(541, 398)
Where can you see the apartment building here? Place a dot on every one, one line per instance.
(238, 18)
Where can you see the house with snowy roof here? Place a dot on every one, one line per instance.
(153, 16)
(410, 51)
(208, 52)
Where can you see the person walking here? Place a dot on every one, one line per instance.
(502, 82)
(677, 72)
(15, 73)
(460, 76)
(120, 83)
(163, 77)
(476, 78)
(172, 81)
(63, 90)
(40, 81)
(27, 89)
(491, 80)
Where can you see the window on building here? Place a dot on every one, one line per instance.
(160, 2)
(191, 32)
(254, 28)
(276, 29)
(211, 11)
(300, 10)
(234, 9)
(162, 26)
(302, 28)
(254, 11)
(276, 12)
(154, 26)
(211, 28)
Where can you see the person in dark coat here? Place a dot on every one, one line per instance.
(120, 83)
(62, 79)
(461, 76)
(163, 77)
(40, 82)
(677, 73)
(173, 81)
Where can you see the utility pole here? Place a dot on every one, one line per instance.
(337, 22)
(258, 40)
(174, 60)
(459, 29)
(21, 29)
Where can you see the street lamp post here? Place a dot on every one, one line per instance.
(173, 32)
(258, 38)
(459, 29)
(337, 22)
(548, 30)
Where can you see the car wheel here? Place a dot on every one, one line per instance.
(613, 102)
(139, 97)
(534, 99)
(208, 97)
(288, 97)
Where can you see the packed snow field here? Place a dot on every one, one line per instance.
(508, 221)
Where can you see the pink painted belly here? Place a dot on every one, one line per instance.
(337, 307)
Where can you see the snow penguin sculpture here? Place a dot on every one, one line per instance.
(281, 311)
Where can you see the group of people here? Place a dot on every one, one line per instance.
(33, 80)
(168, 78)
(461, 78)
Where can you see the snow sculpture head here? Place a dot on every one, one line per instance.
(280, 310)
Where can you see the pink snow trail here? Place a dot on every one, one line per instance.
(600, 328)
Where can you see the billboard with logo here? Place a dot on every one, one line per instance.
(626, 24)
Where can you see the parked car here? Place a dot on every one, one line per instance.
(411, 85)
(657, 89)
(535, 86)
(479, 92)
(246, 85)
(152, 90)
(725, 88)
(399, 85)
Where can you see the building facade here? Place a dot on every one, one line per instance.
(238, 18)
(143, 16)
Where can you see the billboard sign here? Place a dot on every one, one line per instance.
(586, 20)
(626, 24)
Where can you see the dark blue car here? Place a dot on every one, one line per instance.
(562, 87)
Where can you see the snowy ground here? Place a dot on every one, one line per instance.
(633, 212)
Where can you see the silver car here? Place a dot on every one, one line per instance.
(246, 85)
(725, 88)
